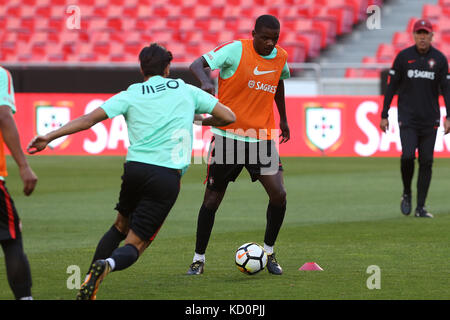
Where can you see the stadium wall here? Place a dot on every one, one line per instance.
(83, 79)
(338, 126)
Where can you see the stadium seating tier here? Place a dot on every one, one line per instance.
(115, 31)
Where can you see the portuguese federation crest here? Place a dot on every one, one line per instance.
(323, 127)
(49, 118)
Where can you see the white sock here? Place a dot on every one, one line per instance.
(269, 249)
(26, 298)
(112, 263)
(198, 257)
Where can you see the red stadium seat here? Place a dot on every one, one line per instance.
(59, 24)
(13, 24)
(224, 36)
(216, 25)
(28, 2)
(431, 12)
(217, 11)
(114, 24)
(444, 24)
(386, 52)
(232, 11)
(27, 11)
(296, 52)
(14, 11)
(55, 53)
(40, 38)
(445, 36)
(307, 25)
(202, 23)
(362, 73)
(369, 60)
(402, 39)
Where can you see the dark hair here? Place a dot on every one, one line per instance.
(154, 59)
(267, 21)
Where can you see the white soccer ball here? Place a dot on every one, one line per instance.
(251, 258)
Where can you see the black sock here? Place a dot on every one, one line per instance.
(108, 243)
(423, 183)
(407, 170)
(275, 216)
(205, 224)
(17, 268)
(125, 256)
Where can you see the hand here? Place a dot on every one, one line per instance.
(384, 125)
(198, 118)
(37, 144)
(209, 87)
(446, 126)
(285, 133)
(29, 179)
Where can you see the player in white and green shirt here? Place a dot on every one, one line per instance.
(159, 113)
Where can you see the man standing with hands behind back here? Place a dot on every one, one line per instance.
(417, 73)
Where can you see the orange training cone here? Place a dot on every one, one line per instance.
(310, 266)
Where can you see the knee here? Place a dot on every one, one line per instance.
(278, 197)
(425, 161)
(213, 199)
(408, 157)
(122, 224)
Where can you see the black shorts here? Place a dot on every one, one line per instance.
(228, 157)
(10, 227)
(422, 139)
(147, 194)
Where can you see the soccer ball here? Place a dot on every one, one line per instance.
(251, 258)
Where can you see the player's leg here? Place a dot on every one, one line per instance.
(206, 216)
(269, 171)
(426, 152)
(128, 198)
(112, 238)
(409, 141)
(219, 173)
(17, 268)
(276, 209)
(159, 188)
(205, 222)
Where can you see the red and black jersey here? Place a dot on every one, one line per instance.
(417, 79)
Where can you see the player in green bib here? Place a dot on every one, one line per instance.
(159, 113)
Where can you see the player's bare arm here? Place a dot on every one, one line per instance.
(281, 106)
(79, 124)
(220, 116)
(12, 140)
(198, 68)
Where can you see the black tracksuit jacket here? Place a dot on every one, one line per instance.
(417, 79)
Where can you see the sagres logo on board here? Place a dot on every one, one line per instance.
(323, 124)
(50, 117)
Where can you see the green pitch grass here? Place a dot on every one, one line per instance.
(343, 213)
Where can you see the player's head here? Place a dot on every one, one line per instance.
(155, 60)
(423, 34)
(265, 34)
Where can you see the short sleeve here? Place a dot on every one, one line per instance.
(116, 105)
(204, 102)
(226, 55)
(7, 90)
(285, 74)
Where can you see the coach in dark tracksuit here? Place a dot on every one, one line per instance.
(417, 73)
